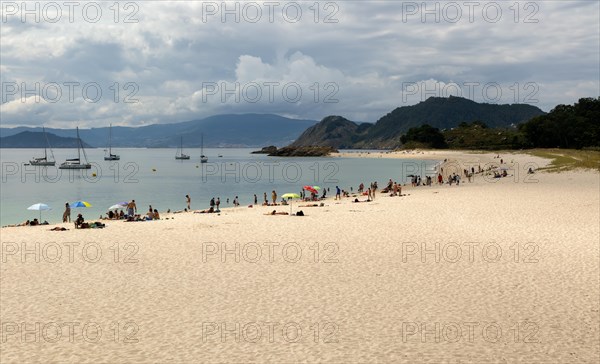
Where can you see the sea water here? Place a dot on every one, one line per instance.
(154, 177)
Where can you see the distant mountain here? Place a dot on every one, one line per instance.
(245, 130)
(438, 112)
(28, 139)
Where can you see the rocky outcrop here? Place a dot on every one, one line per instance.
(266, 150)
(307, 151)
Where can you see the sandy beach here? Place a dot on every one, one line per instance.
(495, 270)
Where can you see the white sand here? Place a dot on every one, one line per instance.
(364, 290)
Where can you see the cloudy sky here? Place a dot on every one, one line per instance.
(148, 62)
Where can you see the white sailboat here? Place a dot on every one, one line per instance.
(111, 157)
(75, 163)
(179, 154)
(43, 161)
(203, 158)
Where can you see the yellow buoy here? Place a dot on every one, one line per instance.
(93, 174)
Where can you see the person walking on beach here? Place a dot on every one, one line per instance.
(218, 202)
(188, 200)
(212, 203)
(255, 199)
(265, 196)
(337, 193)
(131, 208)
(236, 202)
(274, 197)
(67, 213)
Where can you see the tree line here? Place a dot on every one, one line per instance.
(566, 126)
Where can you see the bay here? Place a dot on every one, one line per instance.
(154, 177)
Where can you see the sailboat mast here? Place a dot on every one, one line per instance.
(110, 140)
(45, 152)
(78, 146)
(47, 145)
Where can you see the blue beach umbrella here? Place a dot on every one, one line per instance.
(80, 204)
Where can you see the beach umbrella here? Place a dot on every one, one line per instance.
(310, 189)
(80, 204)
(39, 207)
(117, 207)
(290, 196)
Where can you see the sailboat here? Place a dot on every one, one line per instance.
(43, 161)
(180, 154)
(203, 158)
(111, 157)
(75, 163)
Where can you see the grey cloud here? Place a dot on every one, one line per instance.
(370, 53)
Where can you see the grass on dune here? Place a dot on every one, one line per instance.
(568, 159)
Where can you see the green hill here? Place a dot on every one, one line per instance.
(437, 112)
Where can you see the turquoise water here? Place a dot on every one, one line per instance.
(154, 177)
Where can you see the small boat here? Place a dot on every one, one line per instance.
(111, 157)
(180, 155)
(220, 155)
(43, 161)
(203, 158)
(75, 163)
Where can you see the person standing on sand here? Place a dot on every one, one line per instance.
(212, 203)
(337, 193)
(274, 197)
(131, 208)
(188, 200)
(67, 213)
(255, 199)
(218, 202)
(265, 196)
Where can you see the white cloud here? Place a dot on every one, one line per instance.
(369, 55)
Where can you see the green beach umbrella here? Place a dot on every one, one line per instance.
(290, 196)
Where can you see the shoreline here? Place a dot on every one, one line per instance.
(453, 161)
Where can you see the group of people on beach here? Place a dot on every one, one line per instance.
(392, 188)
(34, 222)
